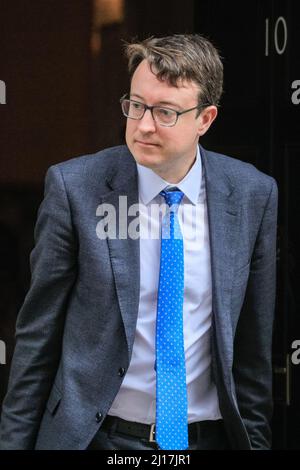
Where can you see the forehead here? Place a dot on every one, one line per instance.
(146, 85)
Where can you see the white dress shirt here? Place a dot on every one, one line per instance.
(136, 399)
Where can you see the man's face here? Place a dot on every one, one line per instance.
(169, 151)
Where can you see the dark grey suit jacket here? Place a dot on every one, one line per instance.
(76, 328)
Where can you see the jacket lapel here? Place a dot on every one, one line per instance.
(123, 250)
(223, 218)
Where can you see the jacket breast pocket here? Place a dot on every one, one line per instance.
(53, 400)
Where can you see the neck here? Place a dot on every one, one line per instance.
(174, 175)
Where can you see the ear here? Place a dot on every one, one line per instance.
(206, 118)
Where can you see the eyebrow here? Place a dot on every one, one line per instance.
(167, 103)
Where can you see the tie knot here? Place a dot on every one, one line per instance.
(172, 198)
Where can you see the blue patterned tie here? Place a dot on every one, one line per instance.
(171, 394)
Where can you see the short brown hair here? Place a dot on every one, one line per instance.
(181, 57)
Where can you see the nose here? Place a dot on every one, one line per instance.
(147, 123)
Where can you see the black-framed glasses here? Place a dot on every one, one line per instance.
(163, 116)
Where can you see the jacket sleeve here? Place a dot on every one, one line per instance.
(40, 322)
(252, 367)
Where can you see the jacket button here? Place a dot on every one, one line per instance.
(121, 371)
(98, 417)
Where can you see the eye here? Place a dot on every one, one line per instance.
(136, 105)
(164, 112)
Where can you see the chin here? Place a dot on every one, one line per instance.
(146, 158)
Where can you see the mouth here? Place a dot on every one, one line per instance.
(146, 144)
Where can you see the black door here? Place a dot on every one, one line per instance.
(259, 123)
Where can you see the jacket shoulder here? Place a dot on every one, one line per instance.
(243, 174)
(93, 170)
(105, 158)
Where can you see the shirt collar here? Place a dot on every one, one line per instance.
(151, 184)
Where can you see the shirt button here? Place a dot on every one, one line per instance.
(98, 417)
(121, 371)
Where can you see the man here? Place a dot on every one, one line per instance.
(146, 342)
